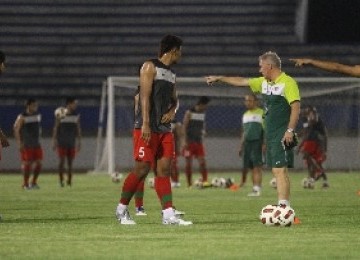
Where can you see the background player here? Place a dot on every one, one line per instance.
(314, 145)
(27, 134)
(153, 139)
(194, 131)
(281, 98)
(67, 139)
(252, 142)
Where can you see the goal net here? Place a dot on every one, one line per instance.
(336, 100)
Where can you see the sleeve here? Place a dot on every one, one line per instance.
(255, 84)
(292, 91)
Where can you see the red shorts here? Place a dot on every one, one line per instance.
(31, 154)
(66, 152)
(194, 149)
(160, 145)
(313, 149)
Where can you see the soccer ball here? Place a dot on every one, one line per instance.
(198, 184)
(308, 183)
(277, 215)
(267, 215)
(284, 215)
(116, 177)
(222, 183)
(151, 182)
(215, 182)
(229, 182)
(273, 183)
(60, 112)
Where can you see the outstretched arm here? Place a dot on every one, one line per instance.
(234, 81)
(329, 66)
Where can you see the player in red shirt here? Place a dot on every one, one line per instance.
(27, 134)
(153, 140)
(194, 130)
(67, 139)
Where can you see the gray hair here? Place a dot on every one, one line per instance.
(272, 58)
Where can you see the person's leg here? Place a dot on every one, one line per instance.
(188, 170)
(283, 185)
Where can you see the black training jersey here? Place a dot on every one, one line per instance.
(68, 130)
(161, 99)
(30, 131)
(195, 128)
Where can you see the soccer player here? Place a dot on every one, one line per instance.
(281, 99)
(194, 131)
(3, 139)
(27, 130)
(66, 139)
(329, 66)
(252, 141)
(153, 139)
(314, 145)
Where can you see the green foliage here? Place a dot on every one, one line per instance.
(79, 222)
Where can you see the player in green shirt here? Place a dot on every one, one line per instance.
(252, 142)
(281, 99)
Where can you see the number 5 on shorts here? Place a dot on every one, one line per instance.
(141, 152)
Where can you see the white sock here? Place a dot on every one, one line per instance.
(284, 202)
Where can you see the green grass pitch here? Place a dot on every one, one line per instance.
(79, 222)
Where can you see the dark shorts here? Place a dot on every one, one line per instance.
(277, 157)
(252, 154)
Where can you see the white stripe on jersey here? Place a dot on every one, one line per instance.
(32, 119)
(252, 118)
(198, 116)
(165, 74)
(70, 119)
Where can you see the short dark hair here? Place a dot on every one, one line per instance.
(203, 100)
(2, 57)
(69, 100)
(169, 42)
(30, 101)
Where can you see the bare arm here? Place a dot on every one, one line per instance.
(329, 66)
(294, 118)
(19, 122)
(185, 126)
(3, 139)
(234, 81)
(147, 74)
(78, 128)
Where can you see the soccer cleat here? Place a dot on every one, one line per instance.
(62, 184)
(325, 185)
(26, 187)
(170, 218)
(254, 194)
(34, 186)
(140, 211)
(206, 184)
(178, 212)
(174, 220)
(124, 217)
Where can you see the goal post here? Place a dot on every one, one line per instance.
(336, 97)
